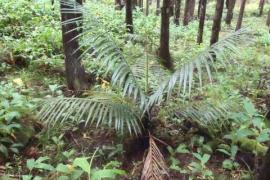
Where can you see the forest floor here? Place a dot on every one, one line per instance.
(32, 69)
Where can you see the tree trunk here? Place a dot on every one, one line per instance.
(268, 19)
(192, 9)
(177, 12)
(52, 1)
(134, 4)
(202, 18)
(230, 7)
(129, 19)
(158, 7)
(141, 4)
(75, 74)
(199, 8)
(147, 8)
(186, 13)
(164, 52)
(263, 172)
(227, 4)
(189, 11)
(172, 7)
(261, 5)
(217, 21)
(241, 14)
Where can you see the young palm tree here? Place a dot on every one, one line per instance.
(130, 110)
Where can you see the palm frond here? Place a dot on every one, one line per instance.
(212, 118)
(154, 165)
(99, 108)
(183, 79)
(105, 50)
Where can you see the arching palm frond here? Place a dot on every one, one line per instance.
(154, 165)
(104, 49)
(101, 108)
(212, 118)
(222, 52)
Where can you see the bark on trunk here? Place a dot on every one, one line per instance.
(147, 8)
(141, 4)
(75, 74)
(186, 14)
(192, 9)
(263, 172)
(158, 8)
(164, 52)
(202, 19)
(172, 7)
(199, 8)
(134, 4)
(268, 19)
(177, 12)
(261, 5)
(230, 7)
(52, 1)
(217, 21)
(129, 19)
(241, 15)
(189, 11)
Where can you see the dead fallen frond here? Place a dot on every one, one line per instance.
(154, 165)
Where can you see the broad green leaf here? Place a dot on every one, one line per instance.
(30, 164)
(83, 164)
(4, 150)
(244, 133)
(205, 158)
(62, 168)
(45, 166)
(249, 107)
(106, 173)
(227, 164)
(42, 159)
(182, 148)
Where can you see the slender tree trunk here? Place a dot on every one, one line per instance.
(192, 9)
(141, 4)
(186, 13)
(158, 8)
(217, 21)
(268, 19)
(227, 4)
(177, 12)
(241, 15)
(147, 8)
(75, 74)
(172, 7)
(199, 8)
(164, 52)
(261, 6)
(134, 4)
(201, 23)
(189, 11)
(52, 1)
(129, 19)
(230, 7)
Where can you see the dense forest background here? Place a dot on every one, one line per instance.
(127, 89)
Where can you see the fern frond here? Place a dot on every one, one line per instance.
(183, 79)
(154, 165)
(101, 108)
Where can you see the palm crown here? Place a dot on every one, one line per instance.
(124, 111)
